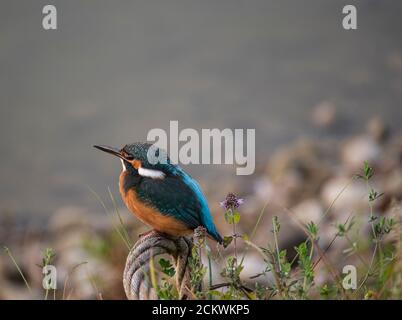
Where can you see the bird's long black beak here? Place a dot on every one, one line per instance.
(113, 151)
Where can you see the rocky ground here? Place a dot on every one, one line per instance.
(299, 182)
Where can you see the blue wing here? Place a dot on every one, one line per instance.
(180, 196)
(206, 216)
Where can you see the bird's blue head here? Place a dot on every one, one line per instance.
(141, 159)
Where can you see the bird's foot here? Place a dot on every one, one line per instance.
(141, 235)
(157, 233)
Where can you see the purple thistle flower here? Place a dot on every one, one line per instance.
(231, 202)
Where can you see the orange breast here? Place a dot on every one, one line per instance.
(150, 215)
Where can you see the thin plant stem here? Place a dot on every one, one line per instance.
(209, 271)
(358, 255)
(335, 199)
(375, 238)
(254, 231)
(269, 258)
(68, 277)
(276, 244)
(234, 237)
(329, 245)
(369, 269)
(115, 227)
(305, 277)
(117, 211)
(8, 251)
(326, 211)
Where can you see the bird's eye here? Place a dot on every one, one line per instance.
(126, 155)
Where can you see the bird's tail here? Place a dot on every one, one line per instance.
(215, 235)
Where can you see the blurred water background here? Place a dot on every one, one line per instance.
(115, 69)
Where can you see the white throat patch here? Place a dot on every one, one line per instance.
(123, 165)
(151, 173)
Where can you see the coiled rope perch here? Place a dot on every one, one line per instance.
(136, 277)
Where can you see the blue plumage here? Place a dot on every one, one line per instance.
(173, 194)
(205, 213)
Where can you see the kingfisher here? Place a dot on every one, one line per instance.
(161, 194)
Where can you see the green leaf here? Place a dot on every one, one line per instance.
(276, 225)
(374, 195)
(229, 216)
(227, 240)
(312, 229)
(167, 267)
(325, 291)
(215, 293)
(367, 170)
(236, 217)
